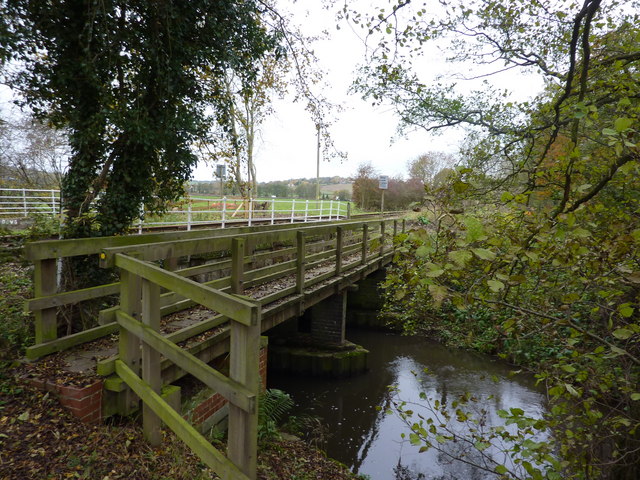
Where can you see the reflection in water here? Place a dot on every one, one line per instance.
(369, 441)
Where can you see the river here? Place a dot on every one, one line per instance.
(369, 441)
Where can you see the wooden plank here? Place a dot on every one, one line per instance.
(278, 295)
(339, 249)
(162, 250)
(300, 262)
(75, 296)
(236, 308)
(87, 246)
(237, 266)
(365, 242)
(271, 269)
(234, 391)
(44, 285)
(40, 350)
(129, 344)
(270, 278)
(242, 443)
(189, 435)
(151, 372)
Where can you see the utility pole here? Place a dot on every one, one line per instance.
(318, 165)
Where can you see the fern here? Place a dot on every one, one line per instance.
(273, 405)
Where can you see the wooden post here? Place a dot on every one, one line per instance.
(129, 345)
(404, 225)
(224, 209)
(300, 262)
(339, 247)
(242, 444)
(237, 266)
(348, 210)
(395, 228)
(244, 367)
(151, 371)
(365, 242)
(382, 237)
(45, 275)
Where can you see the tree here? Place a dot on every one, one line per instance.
(32, 154)
(365, 187)
(124, 79)
(546, 249)
(425, 167)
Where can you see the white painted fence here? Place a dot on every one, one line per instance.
(17, 203)
(25, 202)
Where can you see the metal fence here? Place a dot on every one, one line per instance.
(228, 211)
(25, 202)
(20, 203)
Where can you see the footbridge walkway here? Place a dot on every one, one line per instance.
(178, 300)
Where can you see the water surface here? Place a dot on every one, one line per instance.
(369, 441)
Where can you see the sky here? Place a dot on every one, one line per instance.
(287, 145)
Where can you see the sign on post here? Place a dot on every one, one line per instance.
(221, 171)
(383, 184)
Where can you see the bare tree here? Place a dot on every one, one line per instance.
(32, 154)
(425, 167)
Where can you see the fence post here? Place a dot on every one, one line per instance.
(237, 266)
(300, 261)
(224, 210)
(250, 210)
(293, 209)
(382, 236)
(404, 225)
(244, 364)
(321, 207)
(24, 202)
(339, 245)
(129, 344)
(53, 202)
(348, 210)
(306, 211)
(273, 209)
(151, 371)
(189, 215)
(365, 241)
(395, 228)
(140, 220)
(330, 209)
(45, 282)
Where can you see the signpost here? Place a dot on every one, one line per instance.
(221, 173)
(383, 184)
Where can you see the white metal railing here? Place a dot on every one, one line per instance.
(24, 202)
(225, 211)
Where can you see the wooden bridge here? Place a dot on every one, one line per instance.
(249, 280)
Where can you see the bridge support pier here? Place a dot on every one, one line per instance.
(328, 320)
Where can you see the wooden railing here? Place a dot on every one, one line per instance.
(247, 258)
(140, 297)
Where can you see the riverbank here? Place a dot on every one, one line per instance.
(39, 439)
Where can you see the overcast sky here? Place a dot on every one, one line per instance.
(287, 147)
(287, 142)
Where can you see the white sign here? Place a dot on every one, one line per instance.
(383, 182)
(221, 171)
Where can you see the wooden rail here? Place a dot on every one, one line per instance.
(343, 251)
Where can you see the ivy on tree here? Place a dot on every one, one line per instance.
(123, 78)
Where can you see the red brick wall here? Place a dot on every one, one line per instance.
(85, 403)
(215, 402)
